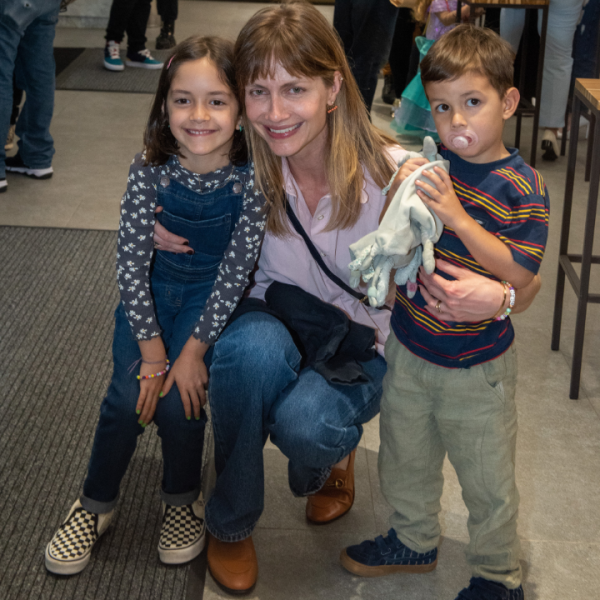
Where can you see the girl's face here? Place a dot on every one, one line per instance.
(290, 113)
(203, 115)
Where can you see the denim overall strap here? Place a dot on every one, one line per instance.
(206, 220)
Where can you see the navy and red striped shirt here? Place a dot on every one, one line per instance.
(509, 199)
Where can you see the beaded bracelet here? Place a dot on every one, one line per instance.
(511, 301)
(159, 374)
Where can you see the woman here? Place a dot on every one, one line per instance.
(314, 147)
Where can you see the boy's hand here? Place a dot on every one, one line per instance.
(441, 198)
(191, 376)
(149, 392)
(408, 168)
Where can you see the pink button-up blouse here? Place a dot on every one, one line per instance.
(288, 260)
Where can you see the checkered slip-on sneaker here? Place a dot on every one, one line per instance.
(182, 533)
(70, 549)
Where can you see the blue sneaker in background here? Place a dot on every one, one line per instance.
(386, 555)
(112, 57)
(142, 59)
(483, 589)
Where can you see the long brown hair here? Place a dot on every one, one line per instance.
(159, 142)
(297, 36)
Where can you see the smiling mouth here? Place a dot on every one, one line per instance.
(199, 132)
(283, 131)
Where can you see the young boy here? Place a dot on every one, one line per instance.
(450, 386)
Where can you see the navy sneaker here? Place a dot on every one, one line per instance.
(142, 59)
(15, 164)
(483, 589)
(386, 555)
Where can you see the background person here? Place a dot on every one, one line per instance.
(131, 17)
(26, 51)
(563, 16)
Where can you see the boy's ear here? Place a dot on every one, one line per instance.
(510, 103)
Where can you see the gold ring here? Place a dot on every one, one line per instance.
(439, 306)
(155, 246)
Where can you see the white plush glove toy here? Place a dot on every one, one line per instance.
(405, 237)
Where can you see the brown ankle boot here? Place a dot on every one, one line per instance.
(335, 498)
(233, 565)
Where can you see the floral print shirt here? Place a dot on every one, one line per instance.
(135, 247)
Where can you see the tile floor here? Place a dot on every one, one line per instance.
(97, 134)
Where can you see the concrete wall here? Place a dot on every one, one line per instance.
(94, 13)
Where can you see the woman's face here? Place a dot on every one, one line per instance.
(290, 113)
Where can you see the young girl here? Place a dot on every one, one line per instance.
(413, 117)
(172, 306)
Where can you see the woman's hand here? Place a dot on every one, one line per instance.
(165, 240)
(471, 297)
(150, 392)
(191, 376)
(468, 299)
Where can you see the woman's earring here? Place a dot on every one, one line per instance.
(240, 128)
(330, 110)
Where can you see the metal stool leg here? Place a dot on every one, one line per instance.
(590, 147)
(586, 263)
(565, 227)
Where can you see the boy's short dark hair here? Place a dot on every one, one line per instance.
(159, 142)
(470, 49)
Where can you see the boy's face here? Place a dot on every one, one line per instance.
(469, 115)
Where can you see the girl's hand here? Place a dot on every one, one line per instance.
(150, 392)
(441, 199)
(469, 299)
(191, 376)
(465, 12)
(165, 240)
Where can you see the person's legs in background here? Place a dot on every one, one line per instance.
(9, 42)
(366, 28)
(563, 16)
(35, 74)
(17, 99)
(131, 17)
(402, 43)
(168, 10)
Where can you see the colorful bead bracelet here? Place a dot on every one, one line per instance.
(511, 301)
(159, 374)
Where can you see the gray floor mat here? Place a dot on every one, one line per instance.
(58, 297)
(87, 73)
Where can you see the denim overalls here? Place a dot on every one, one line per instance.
(180, 286)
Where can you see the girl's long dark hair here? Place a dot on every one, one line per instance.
(159, 142)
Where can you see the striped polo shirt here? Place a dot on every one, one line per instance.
(509, 199)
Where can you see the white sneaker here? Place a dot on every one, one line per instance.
(3, 185)
(550, 146)
(182, 535)
(70, 549)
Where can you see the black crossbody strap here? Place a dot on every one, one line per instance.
(315, 254)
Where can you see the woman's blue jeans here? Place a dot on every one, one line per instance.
(257, 390)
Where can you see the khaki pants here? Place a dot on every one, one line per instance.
(428, 410)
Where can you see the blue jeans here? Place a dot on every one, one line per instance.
(26, 49)
(180, 286)
(256, 390)
(366, 28)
